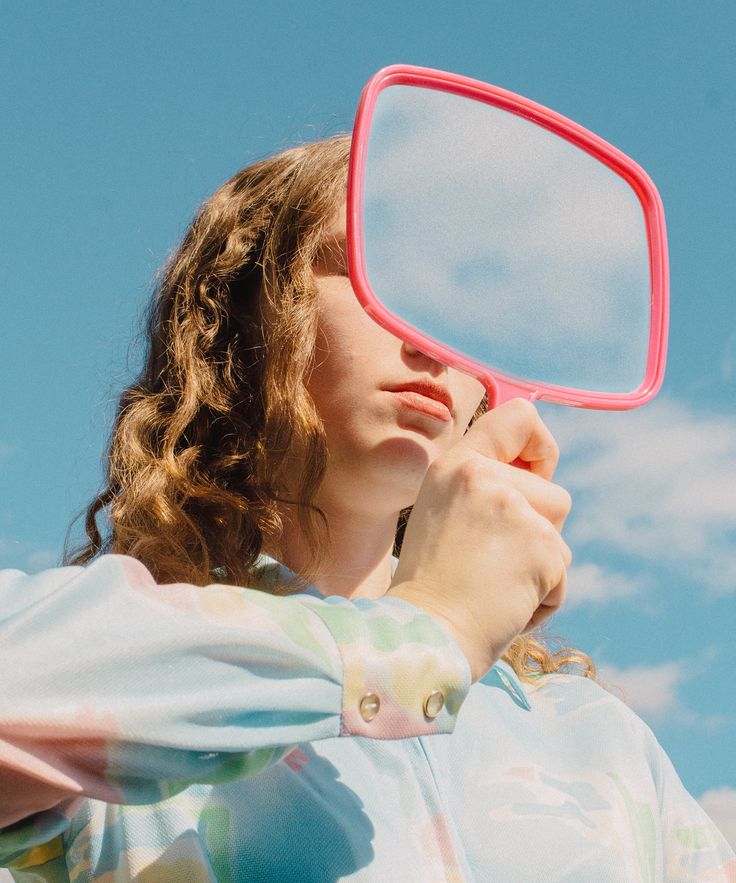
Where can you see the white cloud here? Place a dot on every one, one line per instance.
(589, 582)
(657, 484)
(653, 692)
(520, 222)
(10, 547)
(720, 804)
(25, 556)
(41, 559)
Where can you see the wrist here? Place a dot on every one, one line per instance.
(416, 594)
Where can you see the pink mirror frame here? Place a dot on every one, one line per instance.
(501, 387)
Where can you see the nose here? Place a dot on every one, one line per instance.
(414, 351)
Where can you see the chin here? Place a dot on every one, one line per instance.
(389, 472)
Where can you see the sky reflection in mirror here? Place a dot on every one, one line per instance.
(505, 242)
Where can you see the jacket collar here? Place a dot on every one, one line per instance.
(503, 675)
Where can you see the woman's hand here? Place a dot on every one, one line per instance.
(482, 551)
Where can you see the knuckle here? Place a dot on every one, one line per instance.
(524, 408)
(559, 593)
(473, 471)
(439, 466)
(444, 468)
(468, 472)
(548, 533)
(504, 497)
(553, 450)
(563, 501)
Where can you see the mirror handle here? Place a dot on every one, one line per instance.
(500, 391)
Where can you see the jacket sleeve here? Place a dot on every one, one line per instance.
(693, 846)
(125, 691)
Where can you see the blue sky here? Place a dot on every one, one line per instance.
(119, 119)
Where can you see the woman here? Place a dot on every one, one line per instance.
(245, 683)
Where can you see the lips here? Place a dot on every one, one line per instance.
(426, 388)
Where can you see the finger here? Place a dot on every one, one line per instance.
(566, 555)
(513, 430)
(549, 500)
(551, 603)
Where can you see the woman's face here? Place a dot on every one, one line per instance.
(377, 444)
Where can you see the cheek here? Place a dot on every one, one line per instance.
(336, 368)
(349, 341)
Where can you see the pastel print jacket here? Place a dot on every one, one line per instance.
(179, 734)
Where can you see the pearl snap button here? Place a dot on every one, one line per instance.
(433, 703)
(369, 706)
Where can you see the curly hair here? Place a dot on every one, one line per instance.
(201, 439)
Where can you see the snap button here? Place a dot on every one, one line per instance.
(433, 704)
(369, 706)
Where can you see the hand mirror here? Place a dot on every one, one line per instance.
(507, 241)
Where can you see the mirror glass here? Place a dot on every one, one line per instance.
(505, 242)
